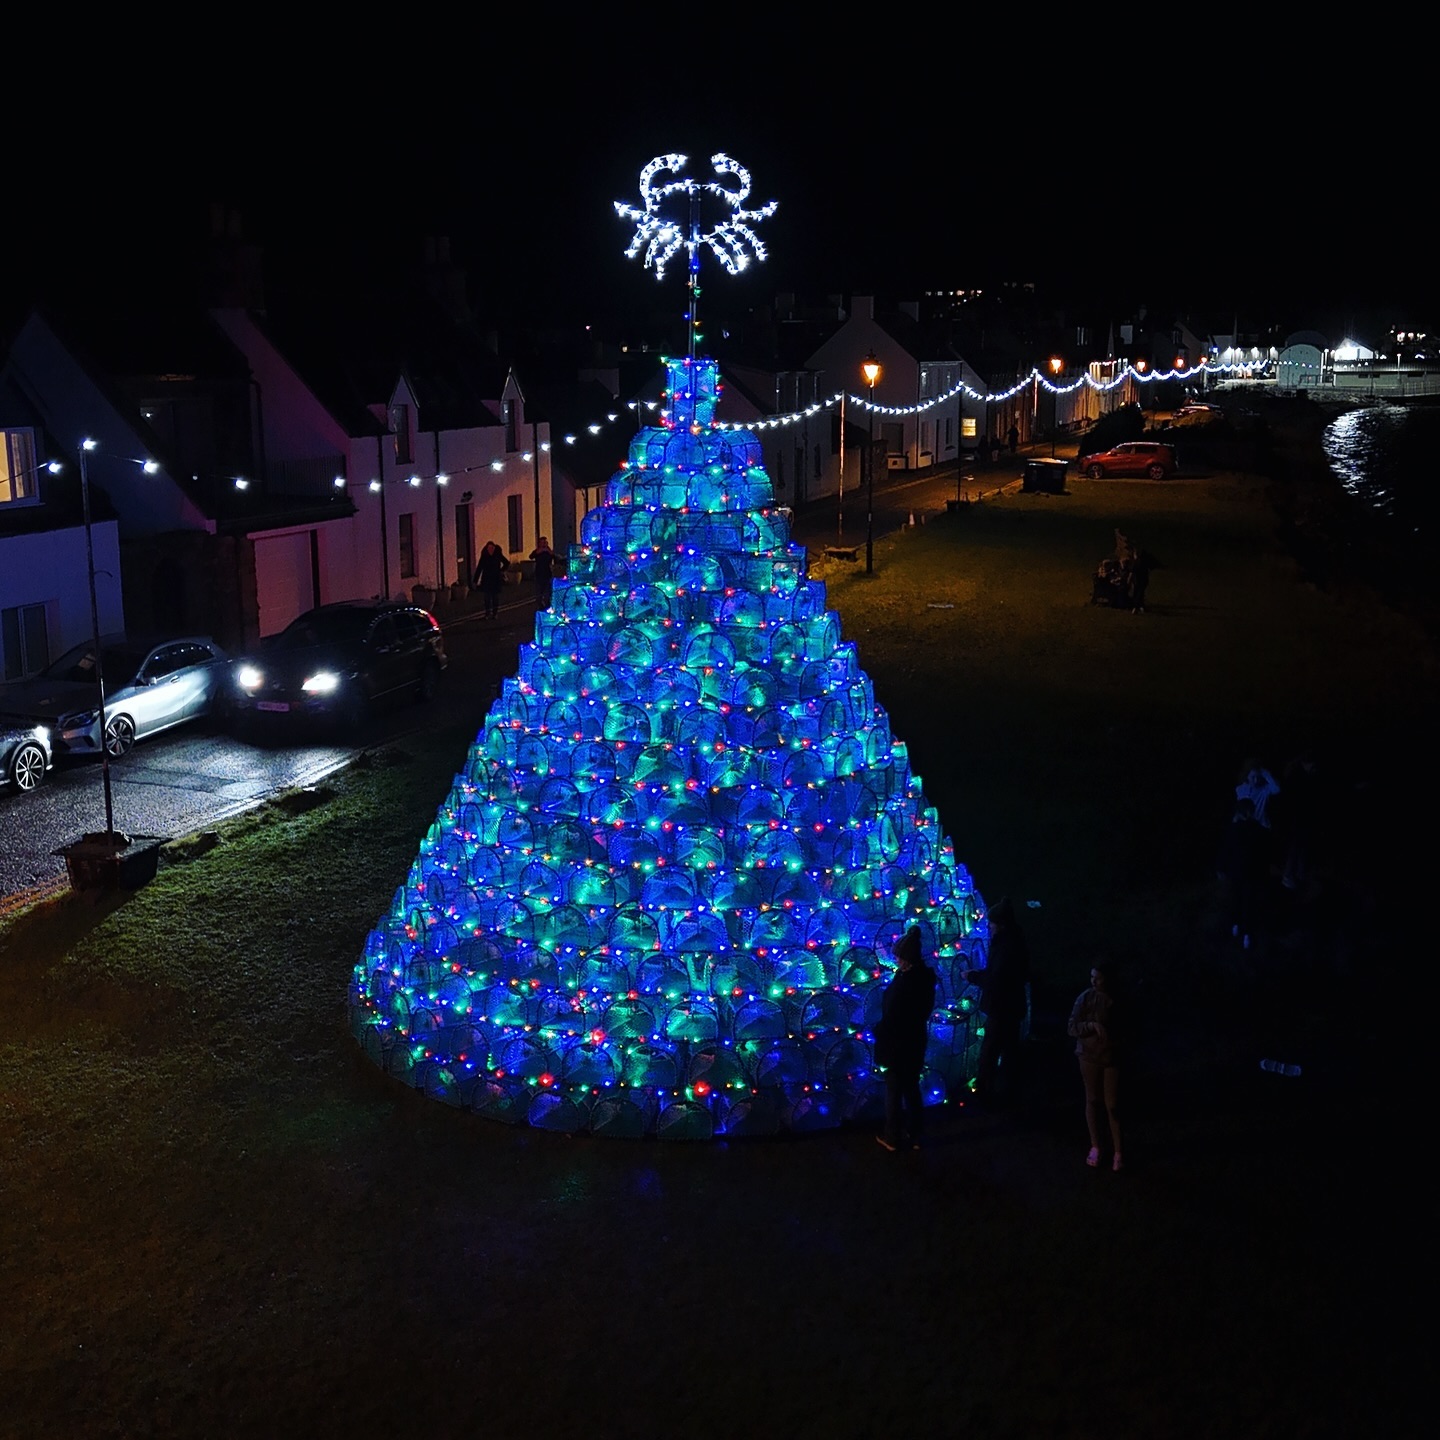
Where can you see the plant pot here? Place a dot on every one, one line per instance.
(101, 861)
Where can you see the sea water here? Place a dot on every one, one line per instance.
(1385, 457)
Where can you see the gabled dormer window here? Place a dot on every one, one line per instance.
(18, 479)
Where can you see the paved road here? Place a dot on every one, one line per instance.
(193, 777)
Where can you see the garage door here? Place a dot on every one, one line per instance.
(284, 579)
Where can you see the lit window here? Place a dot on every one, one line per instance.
(17, 466)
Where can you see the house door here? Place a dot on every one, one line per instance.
(464, 544)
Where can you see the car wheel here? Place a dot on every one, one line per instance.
(429, 681)
(27, 766)
(119, 736)
(1096, 472)
(1156, 472)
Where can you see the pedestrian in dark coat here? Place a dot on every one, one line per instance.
(490, 576)
(544, 558)
(900, 1041)
(1014, 438)
(1004, 997)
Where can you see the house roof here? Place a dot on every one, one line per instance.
(351, 350)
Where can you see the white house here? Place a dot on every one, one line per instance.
(44, 592)
(432, 470)
(915, 373)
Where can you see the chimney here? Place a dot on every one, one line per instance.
(236, 273)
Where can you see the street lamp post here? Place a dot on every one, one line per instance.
(86, 446)
(149, 467)
(871, 371)
(1056, 366)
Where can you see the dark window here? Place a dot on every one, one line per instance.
(383, 634)
(515, 504)
(24, 640)
(512, 441)
(182, 657)
(172, 658)
(407, 546)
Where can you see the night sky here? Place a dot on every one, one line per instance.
(979, 175)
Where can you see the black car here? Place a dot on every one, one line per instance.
(333, 663)
(25, 750)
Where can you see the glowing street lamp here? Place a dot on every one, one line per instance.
(1056, 366)
(150, 467)
(871, 371)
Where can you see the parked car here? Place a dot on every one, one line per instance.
(1134, 457)
(333, 663)
(25, 753)
(148, 688)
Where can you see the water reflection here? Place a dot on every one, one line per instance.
(1359, 446)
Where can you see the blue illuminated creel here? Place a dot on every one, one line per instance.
(662, 896)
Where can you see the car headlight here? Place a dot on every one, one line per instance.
(322, 682)
(79, 721)
(247, 677)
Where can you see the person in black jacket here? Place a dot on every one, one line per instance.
(1003, 997)
(490, 576)
(900, 1040)
(544, 558)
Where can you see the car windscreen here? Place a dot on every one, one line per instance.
(328, 628)
(78, 665)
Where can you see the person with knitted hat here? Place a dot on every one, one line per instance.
(900, 1040)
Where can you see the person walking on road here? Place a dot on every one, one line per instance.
(490, 576)
(900, 1040)
(1014, 437)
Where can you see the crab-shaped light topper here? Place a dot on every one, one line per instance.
(659, 235)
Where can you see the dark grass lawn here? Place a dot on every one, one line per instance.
(219, 1219)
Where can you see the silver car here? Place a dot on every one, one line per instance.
(24, 752)
(148, 688)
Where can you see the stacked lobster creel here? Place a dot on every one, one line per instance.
(661, 897)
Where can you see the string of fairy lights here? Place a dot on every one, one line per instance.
(611, 418)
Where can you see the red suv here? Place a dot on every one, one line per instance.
(1134, 457)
